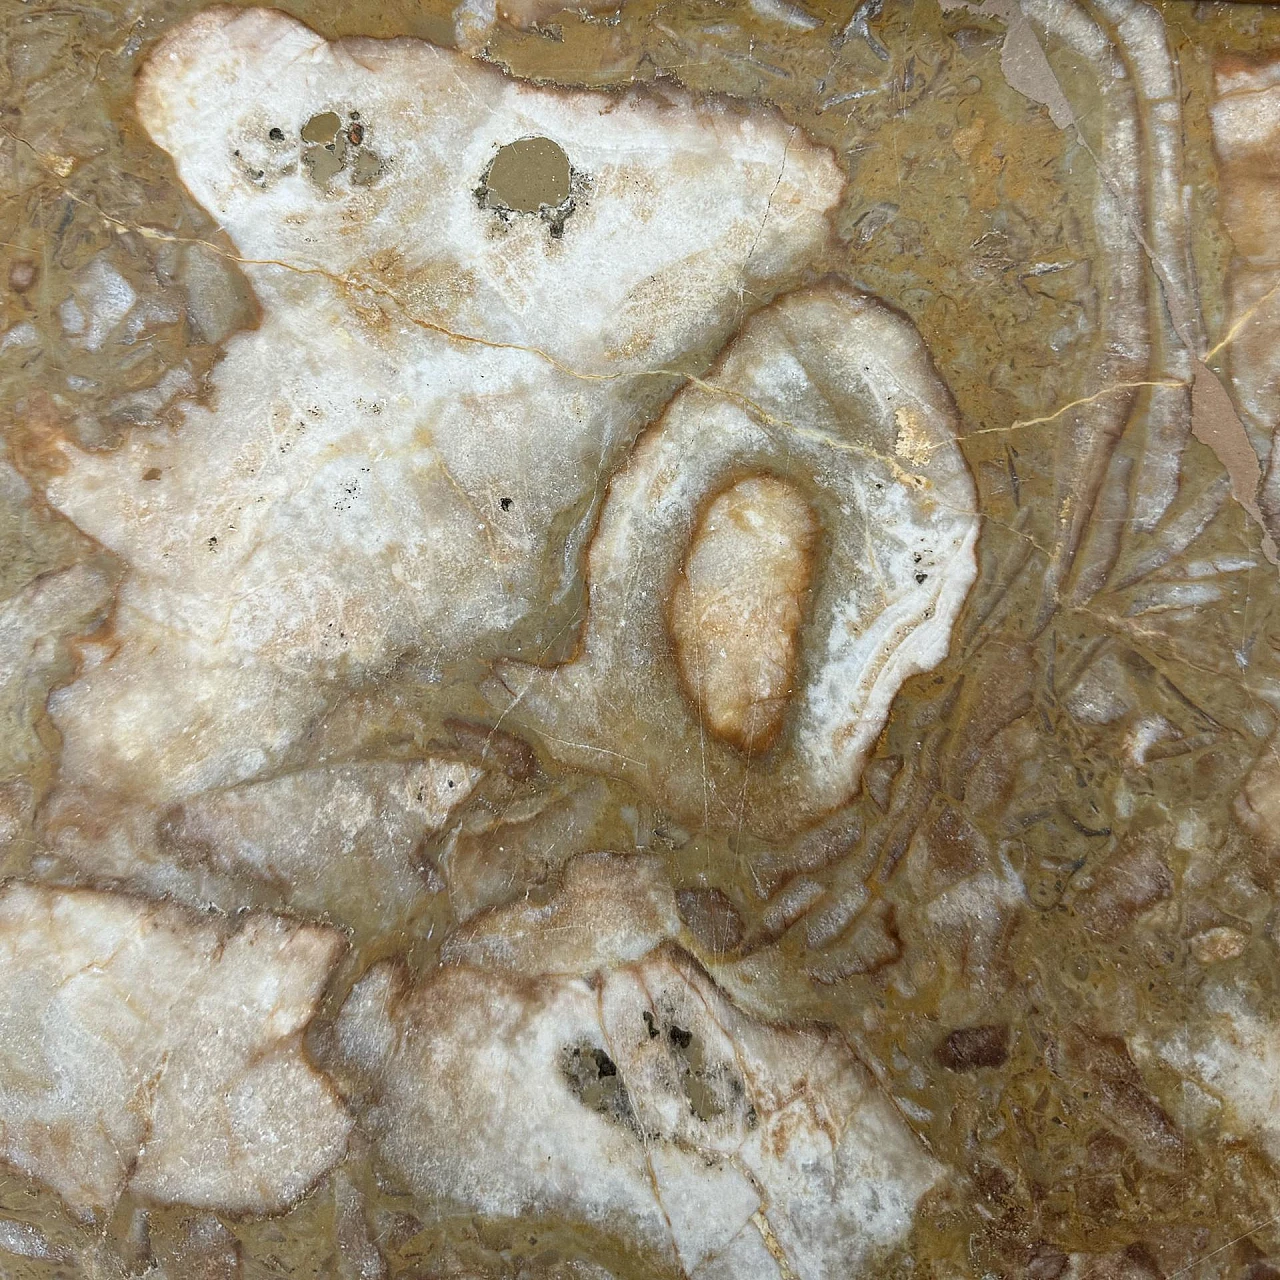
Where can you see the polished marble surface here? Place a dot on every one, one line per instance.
(638, 640)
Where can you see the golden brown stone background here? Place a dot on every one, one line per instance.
(1069, 831)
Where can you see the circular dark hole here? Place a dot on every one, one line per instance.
(506, 504)
(276, 135)
(527, 175)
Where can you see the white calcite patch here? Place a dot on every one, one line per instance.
(835, 394)
(32, 624)
(100, 299)
(406, 454)
(608, 909)
(24, 1240)
(635, 1098)
(142, 1046)
(1233, 1053)
(340, 841)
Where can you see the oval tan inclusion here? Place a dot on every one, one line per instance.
(737, 607)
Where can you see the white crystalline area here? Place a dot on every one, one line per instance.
(101, 298)
(339, 841)
(407, 452)
(1235, 1056)
(142, 1046)
(635, 1098)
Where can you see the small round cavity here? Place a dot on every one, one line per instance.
(529, 175)
(322, 127)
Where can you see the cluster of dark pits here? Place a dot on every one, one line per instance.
(330, 144)
(711, 1089)
(528, 177)
(593, 1077)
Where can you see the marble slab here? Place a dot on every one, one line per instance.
(640, 640)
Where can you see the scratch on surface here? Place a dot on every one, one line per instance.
(1214, 422)
(768, 206)
(1240, 321)
(1022, 423)
(347, 285)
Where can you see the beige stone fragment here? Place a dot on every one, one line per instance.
(32, 621)
(1214, 946)
(1258, 805)
(737, 608)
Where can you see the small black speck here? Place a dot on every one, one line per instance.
(920, 577)
(681, 1038)
(506, 504)
(916, 557)
(276, 135)
(450, 782)
(212, 543)
(648, 1022)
